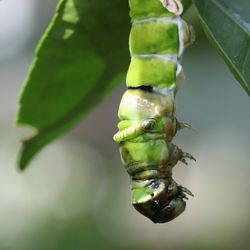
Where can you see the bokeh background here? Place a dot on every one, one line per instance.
(75, 195)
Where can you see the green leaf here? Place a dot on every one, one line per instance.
(186, 4)
(227, 25)
(81, 57)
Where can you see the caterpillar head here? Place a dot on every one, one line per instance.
(163, 214)
(161, 200)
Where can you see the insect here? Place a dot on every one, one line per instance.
(147, 122)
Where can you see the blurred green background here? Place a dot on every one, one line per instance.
(75, 195)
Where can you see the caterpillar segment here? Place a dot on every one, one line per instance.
(147, 123)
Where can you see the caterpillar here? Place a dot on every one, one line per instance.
(147, 123)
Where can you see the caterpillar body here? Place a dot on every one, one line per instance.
(147, 122)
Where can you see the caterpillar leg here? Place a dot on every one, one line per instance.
(182, 125)
(178, 155)
(186, 156)
(134, 130)
(184, 192)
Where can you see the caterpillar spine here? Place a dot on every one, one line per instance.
(147, 122)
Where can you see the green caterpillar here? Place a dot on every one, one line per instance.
(147, 122)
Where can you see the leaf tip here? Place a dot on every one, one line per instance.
(27, 151)
(23, 158)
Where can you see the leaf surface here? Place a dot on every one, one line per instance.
(186, 4)
(227, 25)
(81, 57)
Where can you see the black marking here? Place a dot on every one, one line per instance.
(144, 88)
